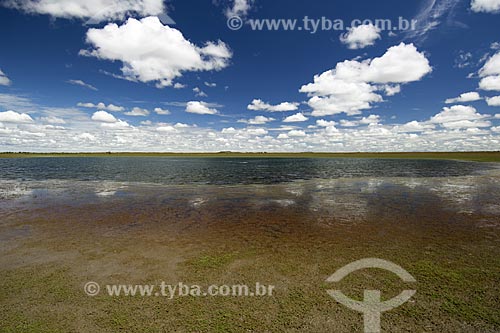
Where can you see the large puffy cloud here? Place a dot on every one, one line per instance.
(352, 85)
(460, 116)
(400, 64)
(4, 80)
(153, 52)
(361, 36)
(465, 97)
(486, 6)
(97, 10)
(260, 105)
(14, 117)
(200, 108)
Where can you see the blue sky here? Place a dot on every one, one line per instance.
(122, 76)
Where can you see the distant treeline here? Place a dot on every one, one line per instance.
(480, 156)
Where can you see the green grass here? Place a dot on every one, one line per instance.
(487, 156)
(49, 300)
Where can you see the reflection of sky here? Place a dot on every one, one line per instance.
(345, 199)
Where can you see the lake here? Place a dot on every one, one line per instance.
(227, 171)
(284, 222)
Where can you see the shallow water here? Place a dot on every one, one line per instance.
(227, 171)
(343, 190)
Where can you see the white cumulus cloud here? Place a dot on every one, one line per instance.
(391, 90)
(137, 112)
(361, 36)
(460, 116)
(414, 126)
(109, 121)
(372, 119)
(296, 134)
(14, 117)
(258, 120)
(490, 74)
(200, 108)
(104, 117)
(259, 105)
(153, 52)
(228, 130)
(161, 111)
(400, 64)
(492, 66)
(485, 6)
(491, 83)
(166, 128)
(256, 131)
(102, 106)
(119, 125)
(493, 101)
(353, 85)
(325, 123)
(97, 10)
(465, 97)
(296, 118)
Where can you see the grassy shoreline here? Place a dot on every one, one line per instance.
(493, 156)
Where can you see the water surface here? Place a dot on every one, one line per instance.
(228, 171)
